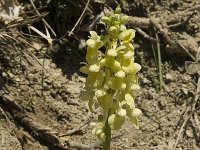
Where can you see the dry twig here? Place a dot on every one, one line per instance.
(76, 129)
(41, 132)
(183, 22)
(183, 125)
(86, 6)
(196, 97)
(44, 21)
(27, 21)
(145, 35)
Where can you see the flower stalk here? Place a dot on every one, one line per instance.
(107, 131)
(112, 77)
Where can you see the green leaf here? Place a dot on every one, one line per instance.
(86, 95)
(91, 56)
(115, 83)
(115, 121)
(110, 62)
(84, 69)
(129, 67)
(94, 80)
(106, 101)
(127, 35)
(129, 100)
(134, 122)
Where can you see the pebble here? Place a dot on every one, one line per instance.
(45, 87)
(145, 81)
(189, 133)
(17, 79)
(169, 77)
(82, 79)
(11, 75)
(184, 90)
(48, 81)
(171, 143)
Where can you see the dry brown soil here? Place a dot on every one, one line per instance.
(50, 94)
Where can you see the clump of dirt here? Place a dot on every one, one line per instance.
(7, 138)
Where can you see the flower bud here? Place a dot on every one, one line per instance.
(94, 42)
(94, 68)
(124, 19)
(113, 29)
(105, 19)
(110, 62)
(121, 47)
(128, 55)
(136, 112)
(117, 10)
(121, 112)
(100, 93)
(127, 35)
(137, 67)
(120, 74)
(112, 52)
(122, 28)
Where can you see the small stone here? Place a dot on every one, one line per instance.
(184, 85)
(125, 139)
(35, 79)
(171, 143)
(189, 133)
(169, 77)
(36, 46)
(192, 68)
(81, 79)
(4, 74)
(184, 90)
(45, 87)
(145, 81)
(17, 79)
(186, 78)
(149, 96)
(11, 75)
(48, 81)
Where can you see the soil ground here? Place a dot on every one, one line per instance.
(50, 93)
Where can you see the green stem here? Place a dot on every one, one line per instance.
(159, 64)
(107, 131)
(154, 55)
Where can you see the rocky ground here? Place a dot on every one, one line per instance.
(45, 83)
